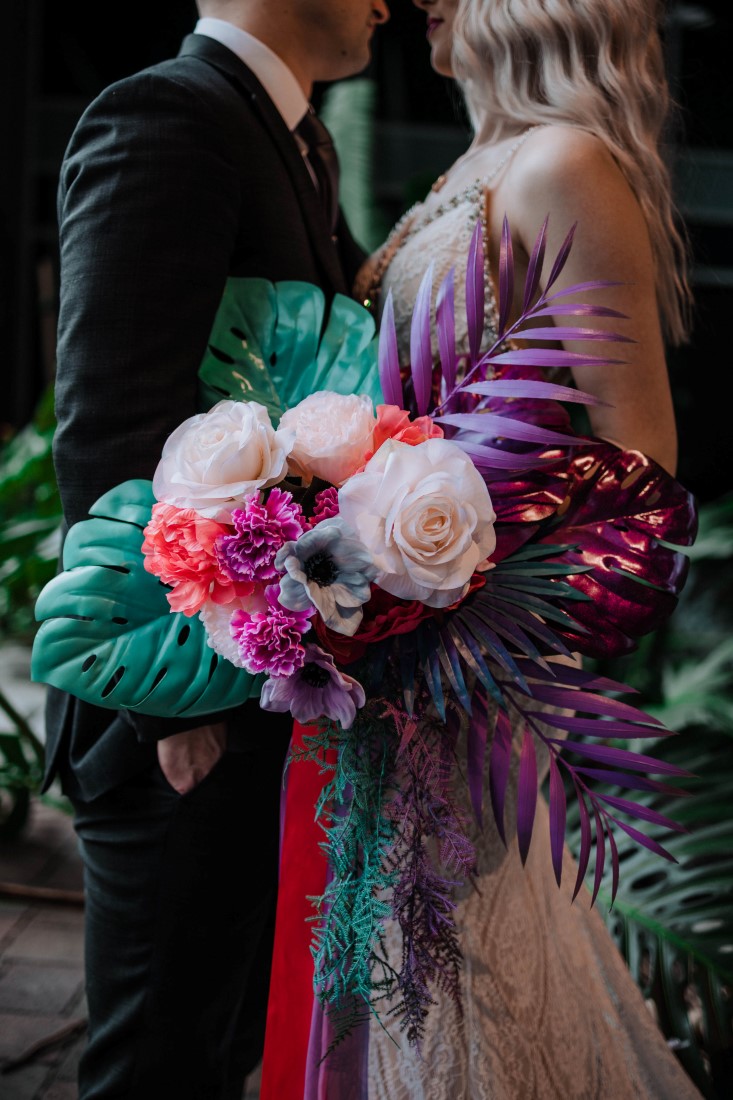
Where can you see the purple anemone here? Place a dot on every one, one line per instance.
(316, 690)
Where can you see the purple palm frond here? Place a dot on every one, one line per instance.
(558, 813)
(527, 785)
(506, 277)
(499, 763)
(534, 268)
(561, 258)
(388, 357)
(488, 425)
(549, 391)
(421, 355)
(475, 292)
(445, 324)
(533, 306)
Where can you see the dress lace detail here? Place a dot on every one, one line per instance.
(441, 233)
(550, 1008)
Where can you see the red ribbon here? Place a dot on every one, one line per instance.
(303, 869)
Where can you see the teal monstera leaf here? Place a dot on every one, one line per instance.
(273, 343)
(108, 634)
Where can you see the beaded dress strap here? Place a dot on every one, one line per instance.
(410, 223)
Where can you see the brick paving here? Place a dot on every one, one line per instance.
(41, 940)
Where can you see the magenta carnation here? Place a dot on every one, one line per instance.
(271, 641)
(326, 505)
(261, 529)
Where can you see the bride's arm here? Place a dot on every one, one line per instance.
(571, 176)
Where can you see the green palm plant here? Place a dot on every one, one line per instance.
(30, 518)
(673, 922)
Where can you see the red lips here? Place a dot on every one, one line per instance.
(432, 24)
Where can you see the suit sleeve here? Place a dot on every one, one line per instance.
(351, 253)
(149, 205)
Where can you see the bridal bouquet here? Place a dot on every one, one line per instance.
(407, 561)
(282, 539)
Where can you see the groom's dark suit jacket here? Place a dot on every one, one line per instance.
(174, 179)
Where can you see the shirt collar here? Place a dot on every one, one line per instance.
(271, 71)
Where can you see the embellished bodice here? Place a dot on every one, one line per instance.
(438, 232)
(442, 237)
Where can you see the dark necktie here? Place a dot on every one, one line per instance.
(324, 162)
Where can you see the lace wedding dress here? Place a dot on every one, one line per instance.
(550, 1008)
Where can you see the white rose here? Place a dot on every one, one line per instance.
(333, 432)
(212, 461)
(425, 515)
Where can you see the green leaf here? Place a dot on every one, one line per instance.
(268, 344)
(108, 635)
(674, 922)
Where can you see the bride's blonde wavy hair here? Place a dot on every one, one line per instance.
(594, 64)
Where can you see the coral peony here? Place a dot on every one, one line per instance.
(179, 548)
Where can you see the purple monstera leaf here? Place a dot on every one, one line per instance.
(620, 511)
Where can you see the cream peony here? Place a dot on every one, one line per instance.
(212, 461)
(425, 515)
(333, 432)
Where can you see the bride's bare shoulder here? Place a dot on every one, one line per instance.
(561, 163)
(566, 170)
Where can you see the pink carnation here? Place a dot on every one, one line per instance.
(179, 548)
(271, 641)
(326, 505)
(261, 529)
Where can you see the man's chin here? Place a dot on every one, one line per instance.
(351, 64)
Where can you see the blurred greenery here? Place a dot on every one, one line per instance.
(30, 518)
(673, 922)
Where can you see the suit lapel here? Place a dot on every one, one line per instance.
(221, 58)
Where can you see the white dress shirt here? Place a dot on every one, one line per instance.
(271, 71)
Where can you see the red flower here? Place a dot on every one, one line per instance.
(384, 617)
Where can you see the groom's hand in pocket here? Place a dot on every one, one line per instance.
(187, 758)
